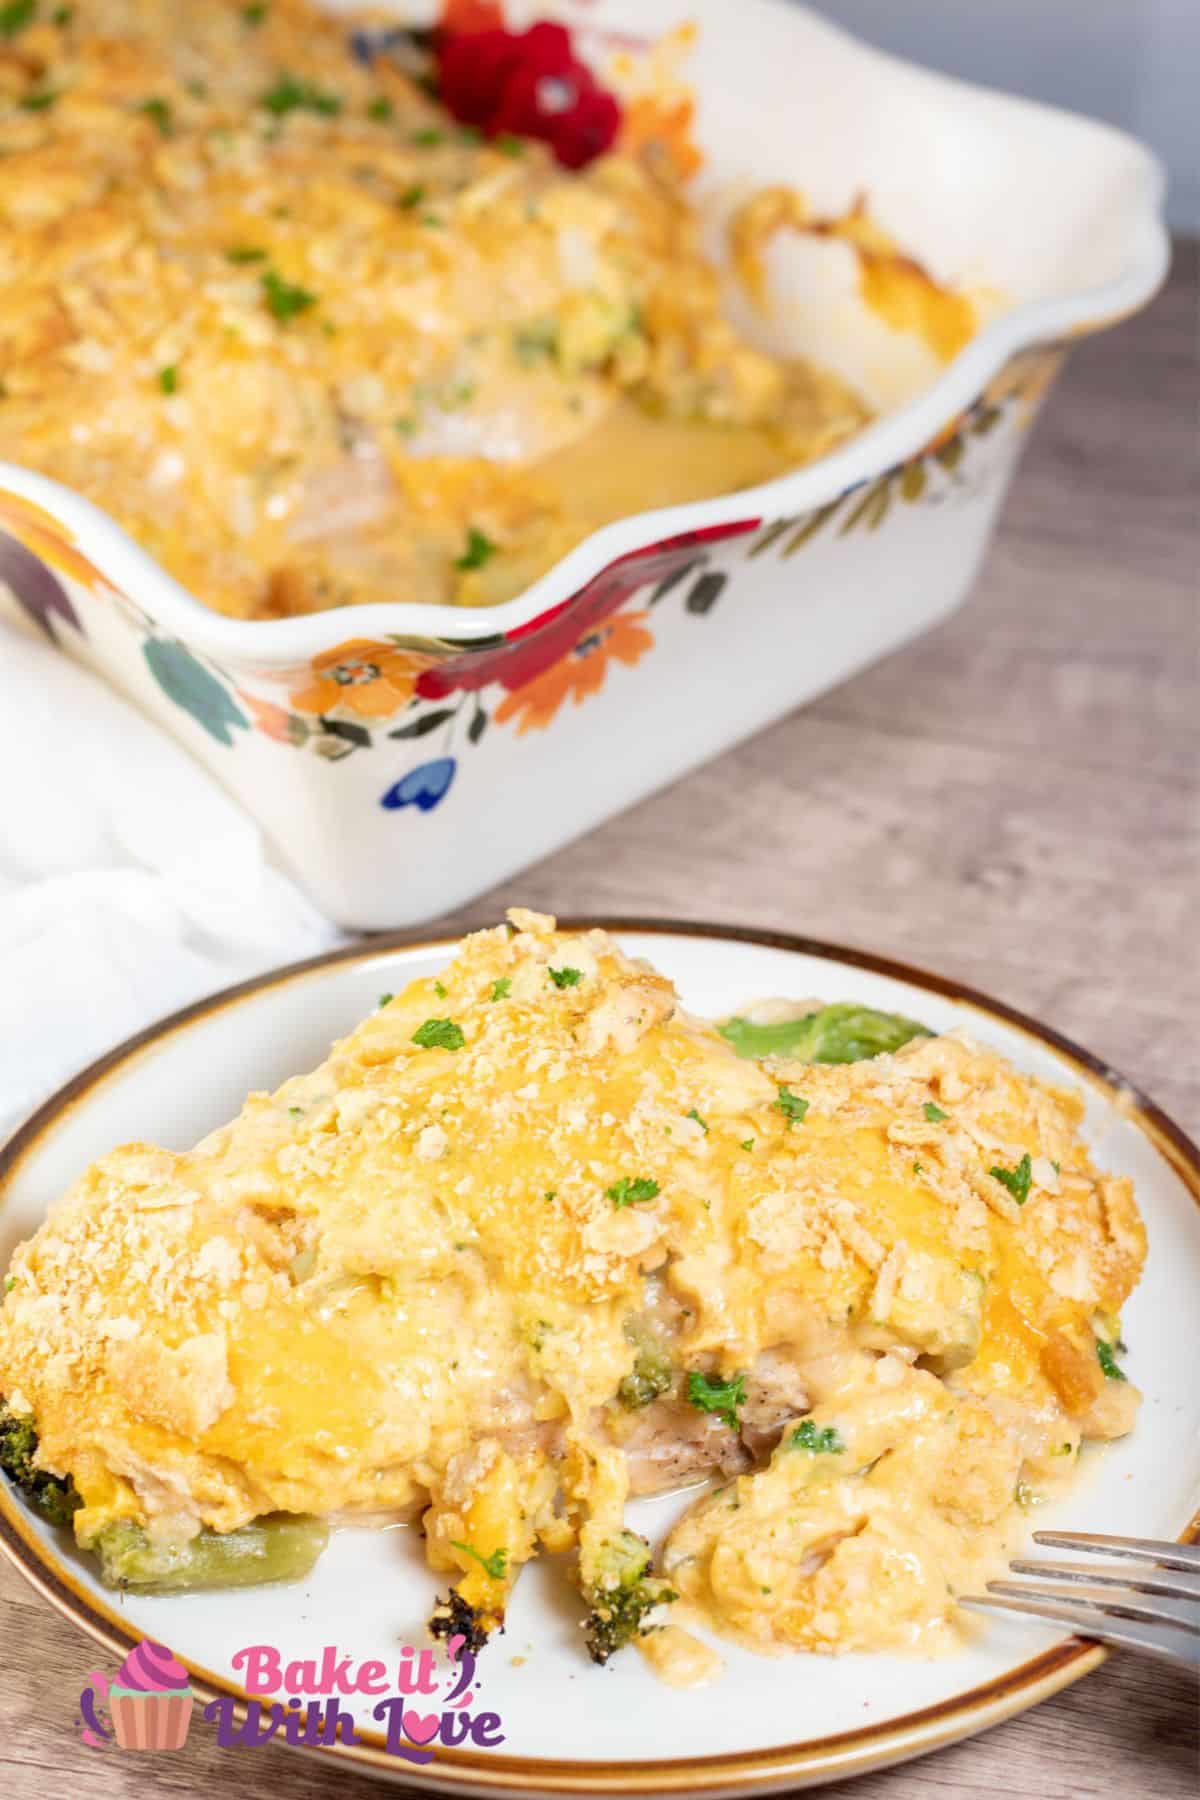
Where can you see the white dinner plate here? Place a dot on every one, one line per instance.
(571, 1728)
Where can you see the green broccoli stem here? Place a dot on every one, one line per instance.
(278, 1547)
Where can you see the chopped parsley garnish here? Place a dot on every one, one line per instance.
(439, 990)
(502, 988)
(385, 998)
(550, 1194)
(792, 1106)
(480, 549)
(632, 1190)
(245, 253)
(1016, 1180)
(16, 16)
(290, 95)
(495, 1565)
(1106, 1356)
(62, 15)
(168, 379)
(160, 112)
(565, 978)
(747, 1143)
(536, 340)
(284, 299)
(818, 1440)
(934, 1113)
(10, 1282)
(296, 1111)
(918, 1168)
(439, 1034)
(380, 108)
(412, 196)
(37, 102)
(509, 144)
(428, 136)
(709, 1394)
(405, 427)
(253, 16)
(702, 1123)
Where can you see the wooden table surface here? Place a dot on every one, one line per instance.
(1012, 800)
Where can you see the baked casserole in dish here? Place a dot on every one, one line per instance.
(341, 363)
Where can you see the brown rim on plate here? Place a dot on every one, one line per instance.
(799, 1764)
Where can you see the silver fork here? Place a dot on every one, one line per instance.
(1152, 1604)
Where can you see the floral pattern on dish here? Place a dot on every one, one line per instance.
(364, 693)
(367, 679)
(624, 639)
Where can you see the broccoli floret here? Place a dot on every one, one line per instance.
(835, 1034)
(651, 1374)
(621, 1591)
(456, 1617)
(55, 1498)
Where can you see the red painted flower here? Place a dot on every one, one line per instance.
(526, 84)
(537, 646)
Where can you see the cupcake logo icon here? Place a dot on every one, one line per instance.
(147, 1707)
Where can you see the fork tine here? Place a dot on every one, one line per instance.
(1167, 1641)
(1147, 1580)
(1170, 1556)
(1120, 1602)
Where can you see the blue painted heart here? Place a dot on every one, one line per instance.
(425, 787)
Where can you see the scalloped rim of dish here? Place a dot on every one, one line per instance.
(806, 1763)
(891, 440)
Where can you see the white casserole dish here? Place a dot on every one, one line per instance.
(666, 636)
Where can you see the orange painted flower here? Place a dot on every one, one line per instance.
(371, 680)
(270, 719)
(581, 672)
(949, 431)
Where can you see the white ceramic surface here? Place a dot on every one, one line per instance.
(1055, 218)
(371, 1590)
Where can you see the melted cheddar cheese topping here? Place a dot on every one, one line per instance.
(427, 1273)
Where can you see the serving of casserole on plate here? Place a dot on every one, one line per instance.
(341, 363)
(534, 1245)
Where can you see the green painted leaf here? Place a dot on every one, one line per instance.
(194, 688)
(912, 480)
(425, 724)
(811, 526)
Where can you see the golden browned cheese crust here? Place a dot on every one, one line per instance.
(409, 1278)
(303, 337)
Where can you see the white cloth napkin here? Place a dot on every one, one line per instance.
(130, 882)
